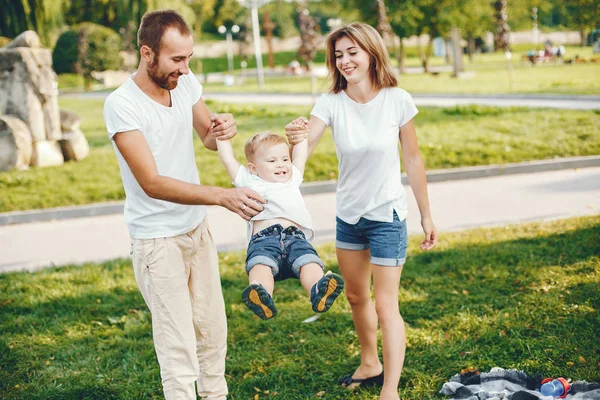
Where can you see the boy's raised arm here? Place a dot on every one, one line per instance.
(227, 157)
(300, 155)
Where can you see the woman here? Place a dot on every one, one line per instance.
(369, 115)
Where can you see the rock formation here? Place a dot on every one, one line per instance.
(29, 105)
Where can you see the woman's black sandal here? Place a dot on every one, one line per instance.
(364, 382)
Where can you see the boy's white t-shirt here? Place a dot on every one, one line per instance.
(284, 199)
(169, 133)
(366, 138)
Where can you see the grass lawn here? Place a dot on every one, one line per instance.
(451, 137)
(523, 296)
(487, 79)
(491, 75)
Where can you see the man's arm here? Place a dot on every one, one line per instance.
(209, 126)
(135, 150)
(227, 157)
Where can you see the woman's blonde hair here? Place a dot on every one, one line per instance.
(367, 38)
(261, 139)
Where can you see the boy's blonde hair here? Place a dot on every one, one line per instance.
(367, 38)
(260, 140)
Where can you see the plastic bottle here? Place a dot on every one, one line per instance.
(558, 387)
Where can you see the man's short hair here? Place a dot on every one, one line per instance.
(260, 140)
(155, 23)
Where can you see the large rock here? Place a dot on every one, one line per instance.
(69, 121)
(15, 143)
(74, 145)
(47, 153)
(33, 134)
(28, 90)
(25, 39)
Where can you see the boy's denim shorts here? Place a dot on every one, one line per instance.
(386, 240)
(285, 251)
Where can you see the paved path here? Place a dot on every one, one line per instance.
(456, 205)
(439, 100)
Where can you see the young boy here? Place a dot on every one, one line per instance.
(278, 247)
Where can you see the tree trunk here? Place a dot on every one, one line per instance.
(420, 51)
(401, 56)
(582, 36)
(308, 35)
(502, 34)
(426, 55)
(471, 46)
(383, 25)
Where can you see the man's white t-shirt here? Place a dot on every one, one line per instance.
(366, 139)
(169, 133)
(284, 199)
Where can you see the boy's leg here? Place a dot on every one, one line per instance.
(306, 264)
(310, 275)
(263, 275)
(261, 267)
(210, 321)
(256, 297)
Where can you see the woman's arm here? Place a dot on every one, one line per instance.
(301, 128)
(415, 170)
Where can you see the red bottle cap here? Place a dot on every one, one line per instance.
(565, 383)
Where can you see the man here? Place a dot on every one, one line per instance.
(150, 119)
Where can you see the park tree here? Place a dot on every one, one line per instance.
(283, 15)
(435, 21)
(227, 12)
(117, 14)
(502, 29)
(474, 18)
(403, 16)
(43, 16)
(308, 35)
(584, 15)
(204, 10)
(383, 23)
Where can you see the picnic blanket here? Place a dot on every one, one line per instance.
(510, 384)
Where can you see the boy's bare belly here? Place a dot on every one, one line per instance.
(260, 225)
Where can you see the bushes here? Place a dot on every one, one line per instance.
(85, 48)
(64, 57)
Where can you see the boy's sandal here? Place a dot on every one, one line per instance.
(364, 382)
(326, 291)
(256, 298)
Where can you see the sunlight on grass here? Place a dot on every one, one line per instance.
(521, 296)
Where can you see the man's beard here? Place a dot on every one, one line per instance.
(159, 77)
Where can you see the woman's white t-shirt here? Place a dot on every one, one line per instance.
(366, 139)
(169, 133)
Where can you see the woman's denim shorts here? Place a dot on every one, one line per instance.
(386, 240)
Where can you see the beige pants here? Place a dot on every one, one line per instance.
(179, 280)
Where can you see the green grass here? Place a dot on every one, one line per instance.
(451, 137)
(491, 75)
(493, 79)
(523, 296)
(490, 69)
